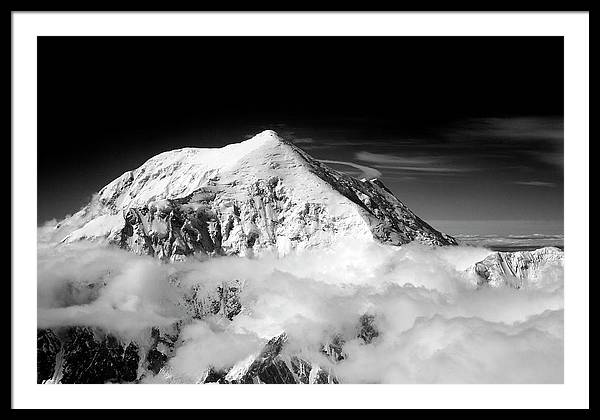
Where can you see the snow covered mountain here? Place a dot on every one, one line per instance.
(257, 196)
(261, 194)
(516, 269)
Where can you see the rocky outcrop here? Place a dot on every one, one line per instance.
(274, 366)
(89, 355)
(80, 355)
(271, 366)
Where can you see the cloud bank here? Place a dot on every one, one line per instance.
(434, 325)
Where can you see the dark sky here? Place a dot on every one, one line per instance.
(459, 128)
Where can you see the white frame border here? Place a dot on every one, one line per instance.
(28, 25)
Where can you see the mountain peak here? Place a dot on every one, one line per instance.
(264, 139)
(267, 136)
(262, 193)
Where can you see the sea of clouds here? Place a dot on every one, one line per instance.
(435, 325)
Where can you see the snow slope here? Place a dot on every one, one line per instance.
(261, 194)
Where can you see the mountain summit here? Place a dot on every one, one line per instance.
(261, 194)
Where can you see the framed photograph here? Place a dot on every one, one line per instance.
(359, 209)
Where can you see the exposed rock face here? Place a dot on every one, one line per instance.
(266, 367)
(223, 301)
(514, 269)
(162, 347)
(270, 366)
(261, 194)
(84, 356)
(48, 348)
(87, 355)
(367, 330)
(274, 366)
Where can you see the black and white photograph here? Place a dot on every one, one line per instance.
(300, 210)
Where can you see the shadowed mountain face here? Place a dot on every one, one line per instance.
(242, 199)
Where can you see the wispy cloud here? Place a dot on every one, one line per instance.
(411, 164)
(536, 184)
(303, 140)
(526, 128)
(366, 171)
(536, 138)
(380, 158)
